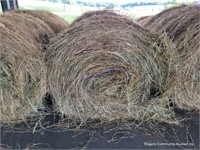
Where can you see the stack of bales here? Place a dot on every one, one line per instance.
(106, 66)
(22, 67)
(182, 25)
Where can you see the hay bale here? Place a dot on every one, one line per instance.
(56, 23)
(22, 74)
(108, 67)
(30, 28)
(182, 25)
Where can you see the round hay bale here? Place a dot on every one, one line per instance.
(30, 28)
(176, 22)
(182, 25)
(22, 75)
(56, 23)
(109, 67)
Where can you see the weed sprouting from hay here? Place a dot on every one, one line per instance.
(56, 23)
(22, 82)
(108, 67)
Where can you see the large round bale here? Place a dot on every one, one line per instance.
(22, 76)
(30, 28)
(56, 23)
(182, 25)
(108, 67)
(176, 22)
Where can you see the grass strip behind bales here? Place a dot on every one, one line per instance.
(182, 25)
(108, 67)
(22, 75)
(56, 23)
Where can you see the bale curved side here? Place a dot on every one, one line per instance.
(30, 28)
(108, 67)
(93, 13)
(186, 92)
(23, 73)
(56, 23)
(176, 22)
(182, 25)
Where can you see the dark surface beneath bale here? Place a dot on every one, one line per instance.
(112, 136)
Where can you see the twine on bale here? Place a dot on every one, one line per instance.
(56, 23)
(182, 25)
(33, 29)
(22, 72)
(108, 67)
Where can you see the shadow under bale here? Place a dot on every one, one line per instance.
(108, 67)
(22, 74)
(56, 23)
(182, 25)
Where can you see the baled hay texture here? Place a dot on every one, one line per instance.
(187, 90)
(108, 67)
(22, 77)
(186, 93)
(93, 13)
(182, 25)
(30, 28)
(143, 20)
(176, 22)
(56, 23)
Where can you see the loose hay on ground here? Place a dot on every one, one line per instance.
(56, 23)
(182, 25)
(108, 67)
(22, 75)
